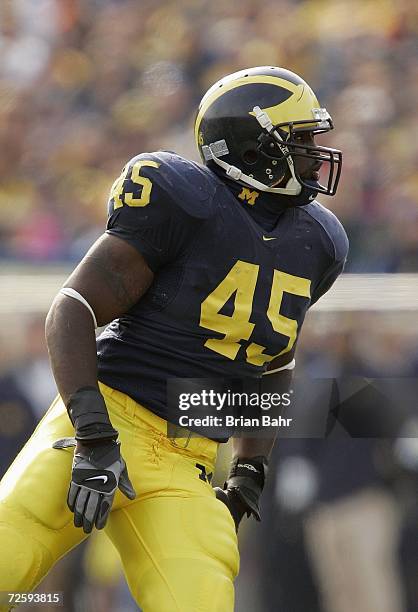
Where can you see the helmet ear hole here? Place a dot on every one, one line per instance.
(250, 157)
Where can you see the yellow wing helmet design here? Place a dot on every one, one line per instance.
(247, 124)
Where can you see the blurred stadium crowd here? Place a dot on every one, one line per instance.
(87, 84)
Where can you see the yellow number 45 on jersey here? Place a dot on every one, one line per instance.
(118, 193)
(242, 280)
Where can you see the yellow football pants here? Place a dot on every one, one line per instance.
(177, 542)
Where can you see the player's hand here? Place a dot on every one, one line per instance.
(231, 499)
(243, 488)
(98, 471)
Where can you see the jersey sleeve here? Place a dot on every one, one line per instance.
(144, 210)
(338, 251)
(327, 281)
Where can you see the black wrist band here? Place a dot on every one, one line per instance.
(88, 414)
(246, 478)
(254, 468)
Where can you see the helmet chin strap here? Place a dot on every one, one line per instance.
(293, 187)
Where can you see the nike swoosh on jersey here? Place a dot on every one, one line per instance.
(269, 238)
(102, 477)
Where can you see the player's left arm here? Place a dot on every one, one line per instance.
(250, 456)
(245, 483)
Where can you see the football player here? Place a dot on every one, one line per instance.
(204, 270)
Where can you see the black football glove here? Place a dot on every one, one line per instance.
(98, 468)
(243, 487)
(97, 472)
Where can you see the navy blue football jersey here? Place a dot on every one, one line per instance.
(230, 291)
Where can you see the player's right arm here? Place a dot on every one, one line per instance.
(111, 278)
(147, 228)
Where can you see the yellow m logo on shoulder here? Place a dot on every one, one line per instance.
(248, 195)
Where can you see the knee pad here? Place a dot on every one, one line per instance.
(182, 553)
(186, 585)
(24, 560)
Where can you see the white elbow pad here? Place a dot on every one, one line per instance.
(69, 292)
(288, 366)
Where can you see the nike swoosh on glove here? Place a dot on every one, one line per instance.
(97, 472)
